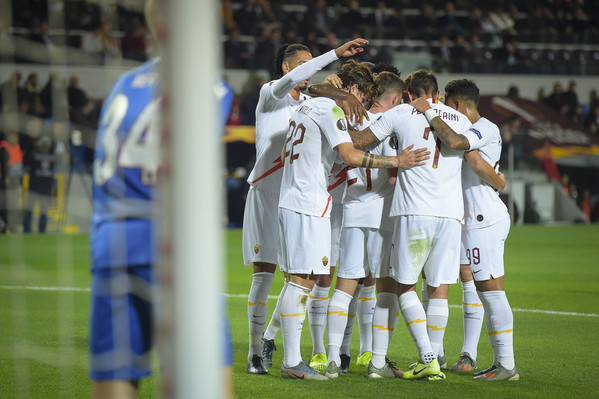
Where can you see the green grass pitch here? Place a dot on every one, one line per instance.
(552, 282)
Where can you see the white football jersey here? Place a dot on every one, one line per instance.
(433, 189)
(275, 107)
(482, 204)
(368, 194)
(315, 129)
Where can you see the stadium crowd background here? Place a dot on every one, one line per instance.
(537, 37)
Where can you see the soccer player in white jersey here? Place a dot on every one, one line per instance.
(486, 222)
(428, 209)
(366, 232)
(317, 136)
(278, 99)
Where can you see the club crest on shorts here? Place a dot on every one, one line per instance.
(325, 260)
(256, 248)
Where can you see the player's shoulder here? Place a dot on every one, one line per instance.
(485, 126)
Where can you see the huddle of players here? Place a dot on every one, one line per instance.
(421, 236)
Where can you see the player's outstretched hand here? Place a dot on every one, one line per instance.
(350, 48)
(353, 109)
(334, 81)
(421, 104)
(409, 158)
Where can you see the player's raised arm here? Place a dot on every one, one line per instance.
(447, 135)
(484, 170)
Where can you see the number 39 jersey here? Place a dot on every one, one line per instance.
(315, 129)
(126, 162)
(433, 189)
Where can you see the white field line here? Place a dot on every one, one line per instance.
(244, 296)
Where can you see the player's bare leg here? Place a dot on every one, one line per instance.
(114, 389)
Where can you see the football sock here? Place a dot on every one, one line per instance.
(293, 314)
(415, 318)
(365, 311)
(351, 319)
(424, 294)
(275, 320)
(473, 313)
(318, 303)
(337, 322)
(384, 321)
(437, 314)
(501, 321)
(258, 309)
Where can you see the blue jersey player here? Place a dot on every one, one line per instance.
(126, 164)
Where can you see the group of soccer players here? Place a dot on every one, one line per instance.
(318, 198)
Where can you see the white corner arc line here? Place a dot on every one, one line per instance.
(244, 296)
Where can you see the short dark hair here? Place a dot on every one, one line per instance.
(464, 89)
(384, 67)
(390, 83)
(422, 83)
(353, 72)
(285, 52)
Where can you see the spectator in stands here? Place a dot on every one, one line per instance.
(266, 48)
(449, 22)
(570, 97)
(443, 55)
(53, 98)
(77, 98)
(11, 161)
(31, 95)
(267, 17)
(503, 23)
(555, 99)
(49, 41)
(7, 46)
(312, 43)
(246, 17)
(12, 93)
(227, 16)
(323, 19)
(250, 97)
(461, 55)
(40, 165)
(378, 21)
(134, 42)
(236, 51)
(592, 121)
(91, 43)
(424, 26)
(397, 25)
(351, 20)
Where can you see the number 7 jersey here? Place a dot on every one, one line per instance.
(433, 189)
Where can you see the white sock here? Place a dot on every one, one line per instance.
(337, 321)
(275, 319)
(501, 328)
(473, 313)
(365, 311)
(489, 326)
(384, 321)
(437, 314)
(351, 319)
(415, 318)
(293, 314)
(258, 309)
(424, 294)
(318, 303)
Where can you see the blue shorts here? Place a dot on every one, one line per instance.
(122, 323)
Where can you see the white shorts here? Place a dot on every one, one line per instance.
(305, 245)
(336, 222)
(429, 243)
(485, 247)
(364, 251)
(260, 227)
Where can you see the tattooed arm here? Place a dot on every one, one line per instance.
(363, 139)
(447, 135)
(406, 159)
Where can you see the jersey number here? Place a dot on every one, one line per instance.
(355, 179)
(140, 149)
(294, 130)
(473, 257)
(427, 131)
